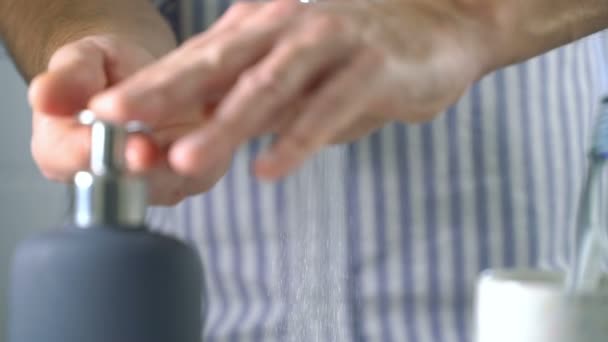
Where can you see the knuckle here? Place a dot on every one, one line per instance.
(75, 52)
(267, 81)
(63, 53)
(89, 41)
(326, 24)
(98, 42)
(86, 44)
(217, 54)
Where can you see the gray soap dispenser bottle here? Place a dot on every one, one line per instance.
(106, 277)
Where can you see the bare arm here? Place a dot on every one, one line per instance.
(520, 29)
(34, 29)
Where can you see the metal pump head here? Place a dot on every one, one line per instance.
(106, 194)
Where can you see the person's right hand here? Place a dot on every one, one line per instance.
(60, 145)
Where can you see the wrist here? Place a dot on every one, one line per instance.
(513, 31)
(482, 29)
(450, 30)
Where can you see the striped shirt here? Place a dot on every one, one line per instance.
(382, 239)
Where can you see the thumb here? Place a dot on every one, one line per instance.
(81, 69)
(75, 73)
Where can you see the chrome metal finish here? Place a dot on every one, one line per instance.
(107, 194)
(107, 148)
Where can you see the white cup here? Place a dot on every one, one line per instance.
(532, 306)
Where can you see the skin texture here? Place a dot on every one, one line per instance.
(314, 75)
(338, 74)
(48, 25)
(60, 145)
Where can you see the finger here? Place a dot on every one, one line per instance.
(164, 186)
(181, 81)
(289, 114)
(168, 188)
(75, 73)
(356, 130)
(254, 105)
(141, 153)
(360, 128)
(337, 105)
(61, 147)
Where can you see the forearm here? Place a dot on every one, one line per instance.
(496, 33)
(34, 29)
(528, 28)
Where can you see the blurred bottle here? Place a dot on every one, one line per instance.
(106, 277)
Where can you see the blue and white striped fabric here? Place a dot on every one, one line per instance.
(382, 239)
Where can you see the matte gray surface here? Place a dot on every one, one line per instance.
(27, 201)
(105, 284)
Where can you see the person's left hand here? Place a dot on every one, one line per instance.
(313, 74)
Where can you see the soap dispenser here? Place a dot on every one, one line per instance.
(105, 277)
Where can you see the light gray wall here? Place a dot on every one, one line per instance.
(27, 202)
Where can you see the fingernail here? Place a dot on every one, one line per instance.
(124, 106)
(103, 104)
(202, 145)
(267, 166)
(263, 171)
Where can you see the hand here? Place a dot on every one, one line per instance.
(60, 145)
(313, 74)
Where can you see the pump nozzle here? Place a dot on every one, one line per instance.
(106, 194)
